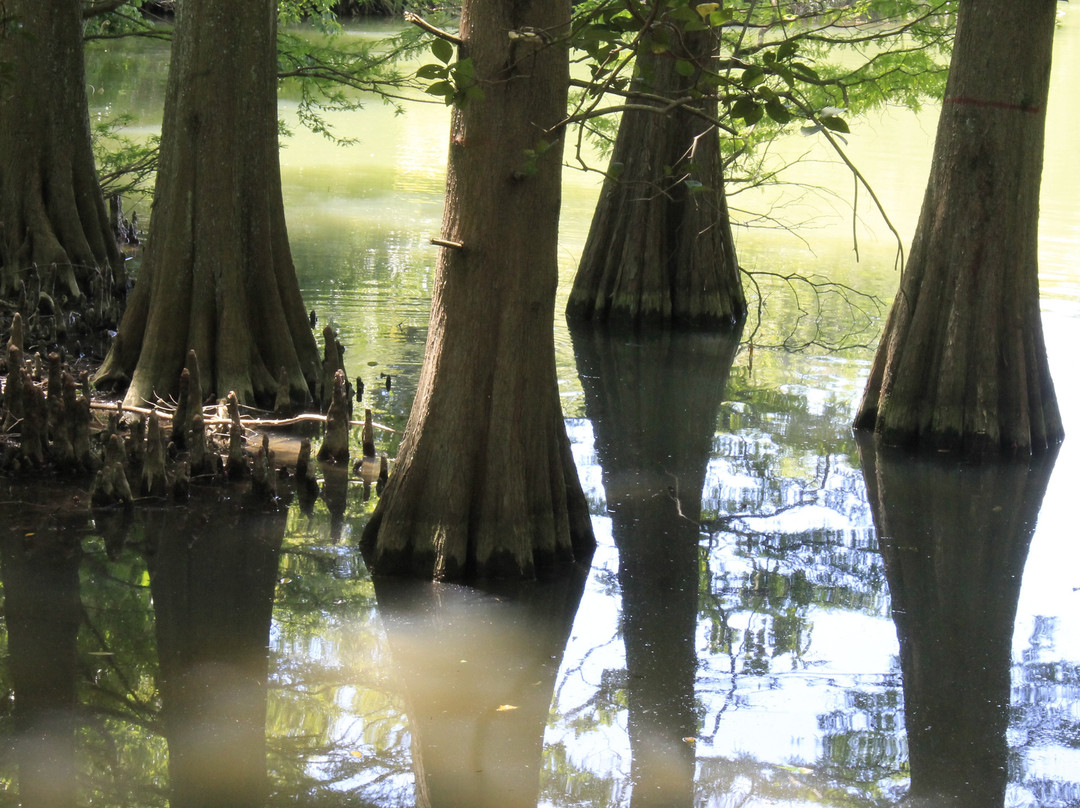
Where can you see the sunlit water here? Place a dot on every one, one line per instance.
(734, 648)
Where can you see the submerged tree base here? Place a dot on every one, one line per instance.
(433, 563)
(660, 252)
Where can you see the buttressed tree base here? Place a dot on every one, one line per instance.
(218, 276)
(962, 362)
(485, 485)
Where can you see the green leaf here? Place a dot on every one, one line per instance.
(431, 71)
(594, 33)
(805, 72)
(718, 18)
(745, 108)
(684, 14)
(777, 111)
(835, 124)
(464, 71)
(783, 72)
(787, 49)
(443, 88)
(684, 67)
(753, 75)
(443, 50)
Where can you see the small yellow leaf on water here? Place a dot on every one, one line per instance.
(689, 740)
(31, 533)
(502, 708)
(356, 753)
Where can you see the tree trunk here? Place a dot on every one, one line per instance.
(485, 483)
(218, 275)
(962, 363)
(52, 214)
(660, 248)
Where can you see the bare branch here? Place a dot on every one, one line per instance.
(423, 24)
(860, 179)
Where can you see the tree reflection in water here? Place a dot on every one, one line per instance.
(653, 400)
(477, 669)
(955, 537)
(43, 613)
(212, 577)
(115, 653)
(728, 649)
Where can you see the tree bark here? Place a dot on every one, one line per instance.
(218, 277)
(485, 483)
(660, 249)
(52, 214)
(962, 363)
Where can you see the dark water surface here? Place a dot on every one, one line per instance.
(776, 615)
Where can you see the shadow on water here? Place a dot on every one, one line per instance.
(955, 538)
(653, 401)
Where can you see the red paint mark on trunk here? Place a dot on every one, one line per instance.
(976, 102)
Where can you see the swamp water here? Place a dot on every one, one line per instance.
(745, 635)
